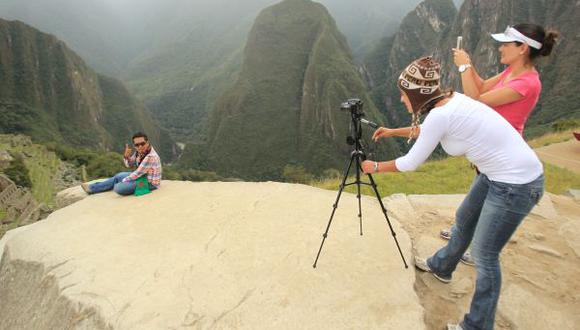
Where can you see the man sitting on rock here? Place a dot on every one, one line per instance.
(145, 159)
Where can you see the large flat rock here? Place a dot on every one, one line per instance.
(210, 255)
(540, 264)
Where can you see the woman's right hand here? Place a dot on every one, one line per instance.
(382, 132)
(460, 57)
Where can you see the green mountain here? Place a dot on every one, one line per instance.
(49, 93)
(177, 56)
(284, 107)
(434, 31)
(193, 59)
(418, 35)
(365, 22)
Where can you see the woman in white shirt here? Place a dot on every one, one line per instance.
(510, 182)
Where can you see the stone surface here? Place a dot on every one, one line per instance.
(71, 195)
(570, 230)
(574, 193)
(462, 287)
(545, 250)
(210, 255)
(525, 309)
(540, 265)
(545, 207)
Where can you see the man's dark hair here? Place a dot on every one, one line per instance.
(140, 134)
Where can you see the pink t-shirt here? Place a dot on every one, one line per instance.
(528, 85)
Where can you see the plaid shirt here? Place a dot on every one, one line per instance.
(150, 165)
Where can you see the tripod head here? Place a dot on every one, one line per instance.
(355, 107)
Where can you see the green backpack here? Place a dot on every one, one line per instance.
(142, 187)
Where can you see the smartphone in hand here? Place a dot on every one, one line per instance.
(459, 42)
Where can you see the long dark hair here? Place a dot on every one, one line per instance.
(547, 38)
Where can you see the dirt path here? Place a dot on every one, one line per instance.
(564, 154)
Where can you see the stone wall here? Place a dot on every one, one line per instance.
(20, 205)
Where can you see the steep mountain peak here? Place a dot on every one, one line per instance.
(283, 109)
(48, 92)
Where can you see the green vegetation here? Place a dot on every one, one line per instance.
(172, 173)
(284, 107)
(553, 137)
(296, 174)
(454, 175)
(97, 164)
(49, 93)
(18, 173)
(35, 162)
(566, 125)
(559, 180)
(448, 176)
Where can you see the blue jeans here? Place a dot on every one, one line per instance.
(115, 183)
(489, 215)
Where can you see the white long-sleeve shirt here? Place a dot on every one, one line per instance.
(467, 127)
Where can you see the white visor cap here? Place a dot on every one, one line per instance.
(510, 35)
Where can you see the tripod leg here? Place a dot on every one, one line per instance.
(335, 206)
(358, 196)
(387, 218)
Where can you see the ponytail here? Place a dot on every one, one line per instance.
(549, 42)
(547, 38)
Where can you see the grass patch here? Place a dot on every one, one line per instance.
(42, 166)
(448, 176)
(560, 180)
(551, 138)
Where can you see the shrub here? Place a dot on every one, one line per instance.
(296, 174)
(18, 172)
(565, 124)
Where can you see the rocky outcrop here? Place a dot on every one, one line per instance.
(539, 264)
(418, 35)
(20, 206)
(239, 255)
(209, 255)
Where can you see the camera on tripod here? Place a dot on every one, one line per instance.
(355, 106)
(357, 156)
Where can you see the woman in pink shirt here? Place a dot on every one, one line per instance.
(514, 92)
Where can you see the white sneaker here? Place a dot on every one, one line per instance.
(451, 326)
(86, 187)
(421, 264)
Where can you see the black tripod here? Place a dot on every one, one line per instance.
(356, 157)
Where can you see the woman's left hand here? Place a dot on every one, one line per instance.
(460, 57)
(368, 166)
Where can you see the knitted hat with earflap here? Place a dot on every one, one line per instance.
(420, 82)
